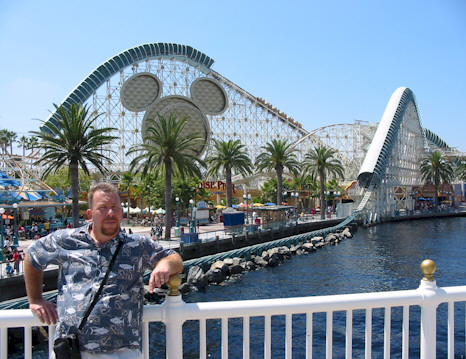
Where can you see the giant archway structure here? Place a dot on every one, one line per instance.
(164, 77)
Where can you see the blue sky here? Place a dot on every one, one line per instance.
(320, 62)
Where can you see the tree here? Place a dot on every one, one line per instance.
(268, 191)
(320, 163)
(435, 168)
(167, 149)
(228, 157)
(306, 183)
(278, 155)
(60, 180)
(6, 140)
(32, 144)
(460, 171)
(127, 181)
(72, 141)
(23, 143)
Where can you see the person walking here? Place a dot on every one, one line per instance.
(113, 327)
(16, 257)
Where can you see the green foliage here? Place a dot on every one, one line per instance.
(278, 155)
(436, 168)
(268, 192)
(7, 138)
(167, 150)
(71, 141)
(460, 171)
(228, 157)
(61, 180)
(320, 163)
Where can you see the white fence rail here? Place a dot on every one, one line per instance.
(175, 313)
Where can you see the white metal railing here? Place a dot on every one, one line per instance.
(175, 313)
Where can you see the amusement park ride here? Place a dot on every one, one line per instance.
(161, 78)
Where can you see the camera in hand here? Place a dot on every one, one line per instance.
(67, 347)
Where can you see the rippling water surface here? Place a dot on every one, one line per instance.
(381, 258)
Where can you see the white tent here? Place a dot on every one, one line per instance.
(135, 210)
(160, 211)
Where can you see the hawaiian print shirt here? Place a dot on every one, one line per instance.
(115, 321)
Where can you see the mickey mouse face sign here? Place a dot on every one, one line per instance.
(142, 92)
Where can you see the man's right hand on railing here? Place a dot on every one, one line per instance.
(45, 311)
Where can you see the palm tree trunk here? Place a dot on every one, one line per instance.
(168, 198)
(74, 191)
(436, 185)
(279, 185)
(322, 195)
(229, 188)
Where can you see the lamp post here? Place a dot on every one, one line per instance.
(295, 195)
(177, 199)
(2, 211)
(15, 228)
(63, 216)
(191, 220)
(247, 197)
(327, 195)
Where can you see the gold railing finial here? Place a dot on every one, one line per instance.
(428, 267)
(173, 283)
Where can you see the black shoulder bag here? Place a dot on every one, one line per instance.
(68, 347)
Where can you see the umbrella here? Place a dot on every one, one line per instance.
(219, 206)
(257, 205)
(28, 195)
(244, 205)
(235, 206)
(269, 204)
(134, 210)
(7, 217)
(160, 211)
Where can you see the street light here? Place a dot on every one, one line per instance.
(191, 220)
(295, 195)
(2, 211)
(177, 199)
(15, 228)
(247, 197)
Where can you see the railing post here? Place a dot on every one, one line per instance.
(173, 319)
(428, 287)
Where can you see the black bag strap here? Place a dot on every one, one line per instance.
(97, 295)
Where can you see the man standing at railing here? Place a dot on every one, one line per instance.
(113, 328)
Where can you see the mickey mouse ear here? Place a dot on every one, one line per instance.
(209, 95)
(140, 91)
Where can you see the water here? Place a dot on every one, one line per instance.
(381, 258)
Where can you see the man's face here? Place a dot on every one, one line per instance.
(106, 214)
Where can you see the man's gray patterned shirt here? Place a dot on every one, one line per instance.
(115, 321)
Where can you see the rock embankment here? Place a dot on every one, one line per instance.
(220, 271)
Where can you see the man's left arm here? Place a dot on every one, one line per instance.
(166, 267)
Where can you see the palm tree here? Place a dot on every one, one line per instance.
(32, 144)
(277, 156)
(6, 140)
(127, 181)
(23, 142)
(72, 141)
(320, 163)
(435, 168)
(460, 171)
(228, 157)
(166, 149)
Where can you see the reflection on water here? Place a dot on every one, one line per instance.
(381, 258)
